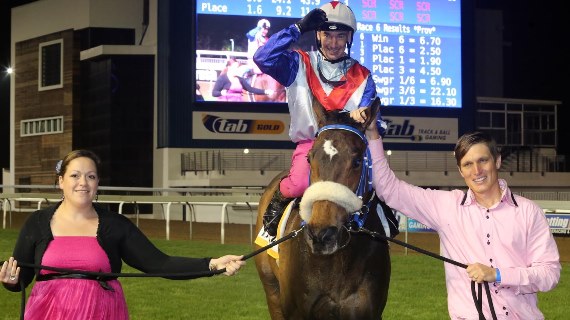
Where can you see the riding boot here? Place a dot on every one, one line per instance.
(274, 211)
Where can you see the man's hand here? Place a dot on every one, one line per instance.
(359, 115)
(312, 20)
(480, 273)
(372, 131)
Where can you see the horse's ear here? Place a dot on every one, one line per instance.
(371, 113)
(319, 111)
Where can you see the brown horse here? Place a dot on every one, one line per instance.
(265, 81)
(332, 271)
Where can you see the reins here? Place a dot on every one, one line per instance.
(355, 226)
(476, 297)
(477, 294)
(102, 276)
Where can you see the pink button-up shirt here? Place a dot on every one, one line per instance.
(513, 235)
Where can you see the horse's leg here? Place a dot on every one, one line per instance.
(270, 285)
(292, 272)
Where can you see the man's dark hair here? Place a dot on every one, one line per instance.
(470, 139)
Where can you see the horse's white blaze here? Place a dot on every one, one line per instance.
(329, 148)
(331, 191)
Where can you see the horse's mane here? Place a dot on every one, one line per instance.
(340, 117)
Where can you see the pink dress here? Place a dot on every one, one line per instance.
(66, 299)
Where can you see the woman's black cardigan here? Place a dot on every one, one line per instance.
(119, 237)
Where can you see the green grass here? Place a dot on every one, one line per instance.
(417, 289)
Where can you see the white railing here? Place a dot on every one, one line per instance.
(216, 60)
(224, 198)
(190, 198)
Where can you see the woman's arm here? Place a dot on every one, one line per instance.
(24, 251)
(246, 86)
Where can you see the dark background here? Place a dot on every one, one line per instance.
(535, 55)
(534, 60)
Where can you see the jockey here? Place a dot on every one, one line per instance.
(256, 38)
(338, 81)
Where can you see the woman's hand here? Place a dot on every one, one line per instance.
(230, 262)
(10, 272)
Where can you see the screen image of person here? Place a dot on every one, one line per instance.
(413, 52)
(257, 37)
(231, 83)
(235, 37)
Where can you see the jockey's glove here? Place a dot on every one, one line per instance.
(312, 20)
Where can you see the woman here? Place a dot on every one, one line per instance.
(80, 235)
(230, 84)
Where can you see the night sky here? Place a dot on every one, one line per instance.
(536, 56)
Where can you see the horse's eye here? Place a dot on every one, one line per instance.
(357, 163)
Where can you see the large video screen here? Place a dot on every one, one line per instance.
(413, 48)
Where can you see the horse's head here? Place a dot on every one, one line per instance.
(338, 171)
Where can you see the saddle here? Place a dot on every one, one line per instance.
(263, 238)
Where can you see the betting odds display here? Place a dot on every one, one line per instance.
(413, 48)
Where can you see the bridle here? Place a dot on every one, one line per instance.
(364, 188)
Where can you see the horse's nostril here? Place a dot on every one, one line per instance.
(328, 235)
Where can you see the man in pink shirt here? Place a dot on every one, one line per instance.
(503, 238)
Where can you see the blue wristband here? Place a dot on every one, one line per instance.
(498, 277)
